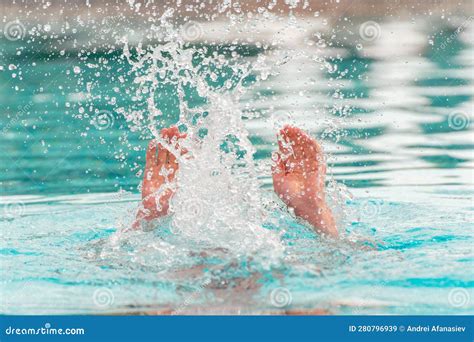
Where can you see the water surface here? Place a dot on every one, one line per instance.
(394, 116)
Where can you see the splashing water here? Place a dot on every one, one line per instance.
(218, 170)
(230, 77)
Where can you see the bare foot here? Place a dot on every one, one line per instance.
(158, 179)
(298, 178)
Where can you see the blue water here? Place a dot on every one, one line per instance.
(403, 167)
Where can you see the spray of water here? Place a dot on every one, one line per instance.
(219, 202)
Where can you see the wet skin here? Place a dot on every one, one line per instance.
(298, 172)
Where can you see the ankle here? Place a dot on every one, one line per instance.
(319, 215)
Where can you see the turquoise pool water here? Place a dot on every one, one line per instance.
(394, 115)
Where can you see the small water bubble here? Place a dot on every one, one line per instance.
(77, 70)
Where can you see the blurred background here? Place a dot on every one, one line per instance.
(386, 86)
(391, 95)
